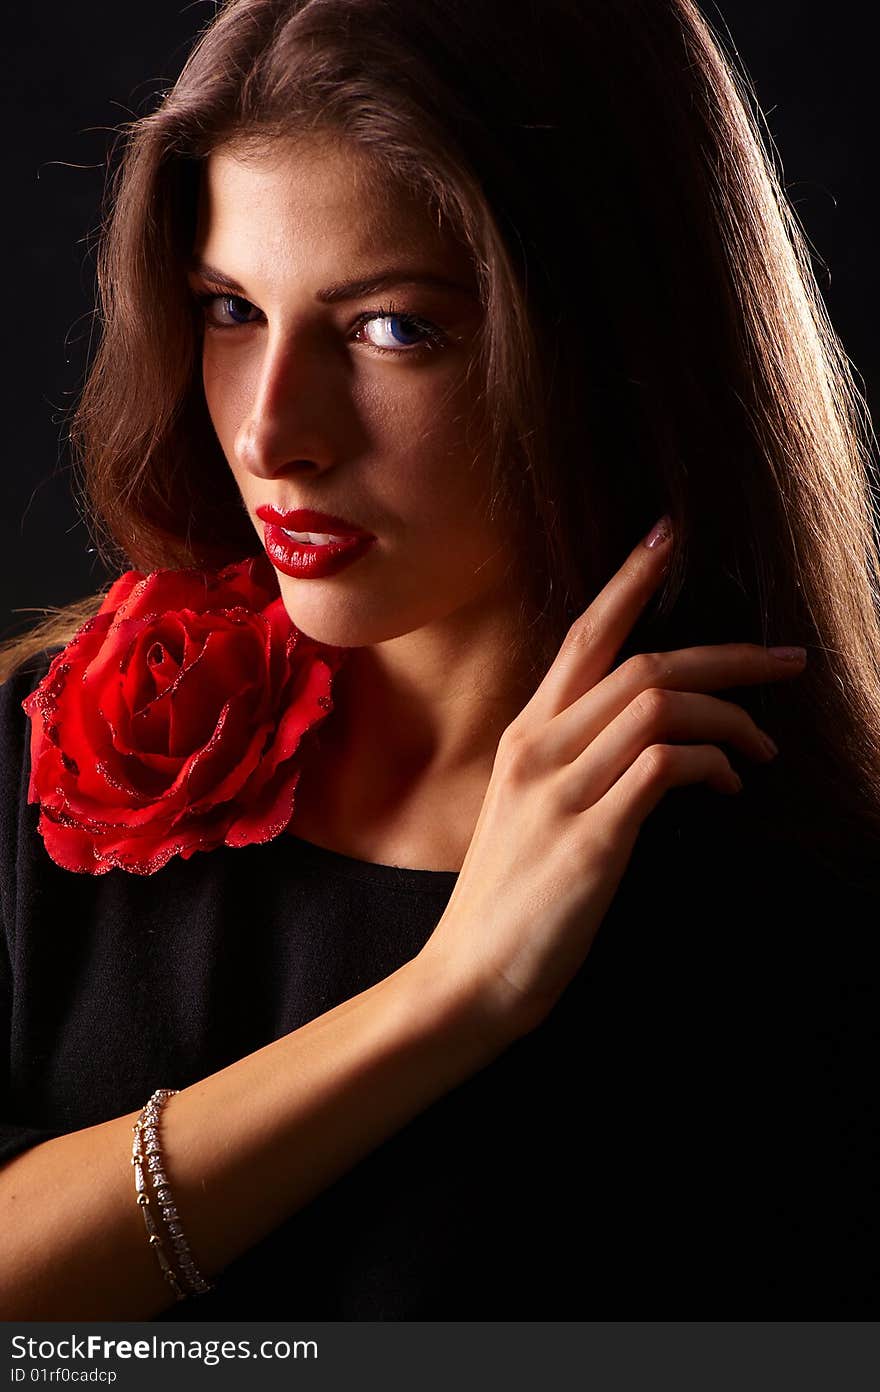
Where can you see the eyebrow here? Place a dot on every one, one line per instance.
(351, 289)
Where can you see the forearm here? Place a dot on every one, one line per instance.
(244, 1149)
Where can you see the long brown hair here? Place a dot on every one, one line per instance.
(654, 338)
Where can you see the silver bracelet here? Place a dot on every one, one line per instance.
(146, 1157)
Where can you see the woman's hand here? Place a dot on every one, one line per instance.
(575, 776)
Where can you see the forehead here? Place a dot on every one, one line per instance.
(313, 196)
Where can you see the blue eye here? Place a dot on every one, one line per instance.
(428, 336)
(231, 304)
(387, 319)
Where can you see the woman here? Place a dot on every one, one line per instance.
(445, 305)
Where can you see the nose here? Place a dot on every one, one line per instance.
(285, 425)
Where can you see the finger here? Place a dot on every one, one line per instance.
(615, 821)
(657, 717)
(699, 669)
(597, 635)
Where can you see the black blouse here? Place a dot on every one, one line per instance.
(692, 1132)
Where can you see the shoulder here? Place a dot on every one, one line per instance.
(14, 723)
(15, 729)
(23, 679)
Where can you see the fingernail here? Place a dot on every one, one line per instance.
(661, 531)
(769, 744)
(788, 654)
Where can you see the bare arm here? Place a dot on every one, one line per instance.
(244, 1148)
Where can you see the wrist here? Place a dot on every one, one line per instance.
(458, 1005)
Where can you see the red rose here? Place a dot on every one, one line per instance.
(170, 722)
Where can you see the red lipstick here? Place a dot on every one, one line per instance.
(334, 543)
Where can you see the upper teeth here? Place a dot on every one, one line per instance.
(315, 538)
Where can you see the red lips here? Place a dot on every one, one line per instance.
(307, 520)
(307, 560)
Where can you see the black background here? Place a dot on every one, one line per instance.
(73, 73)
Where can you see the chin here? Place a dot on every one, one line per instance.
(358, 617)
(343, 620)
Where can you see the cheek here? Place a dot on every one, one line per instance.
(227, 393)
(448, 531)
(442, 473)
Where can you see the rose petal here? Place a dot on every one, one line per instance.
(307, 702)
(231, 662)
(268, 820)
(120, 590)
(142, 681)
(220, 771)
(70, 848)
(85, 734)
(246, 583)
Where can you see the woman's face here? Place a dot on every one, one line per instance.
(356, 403)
